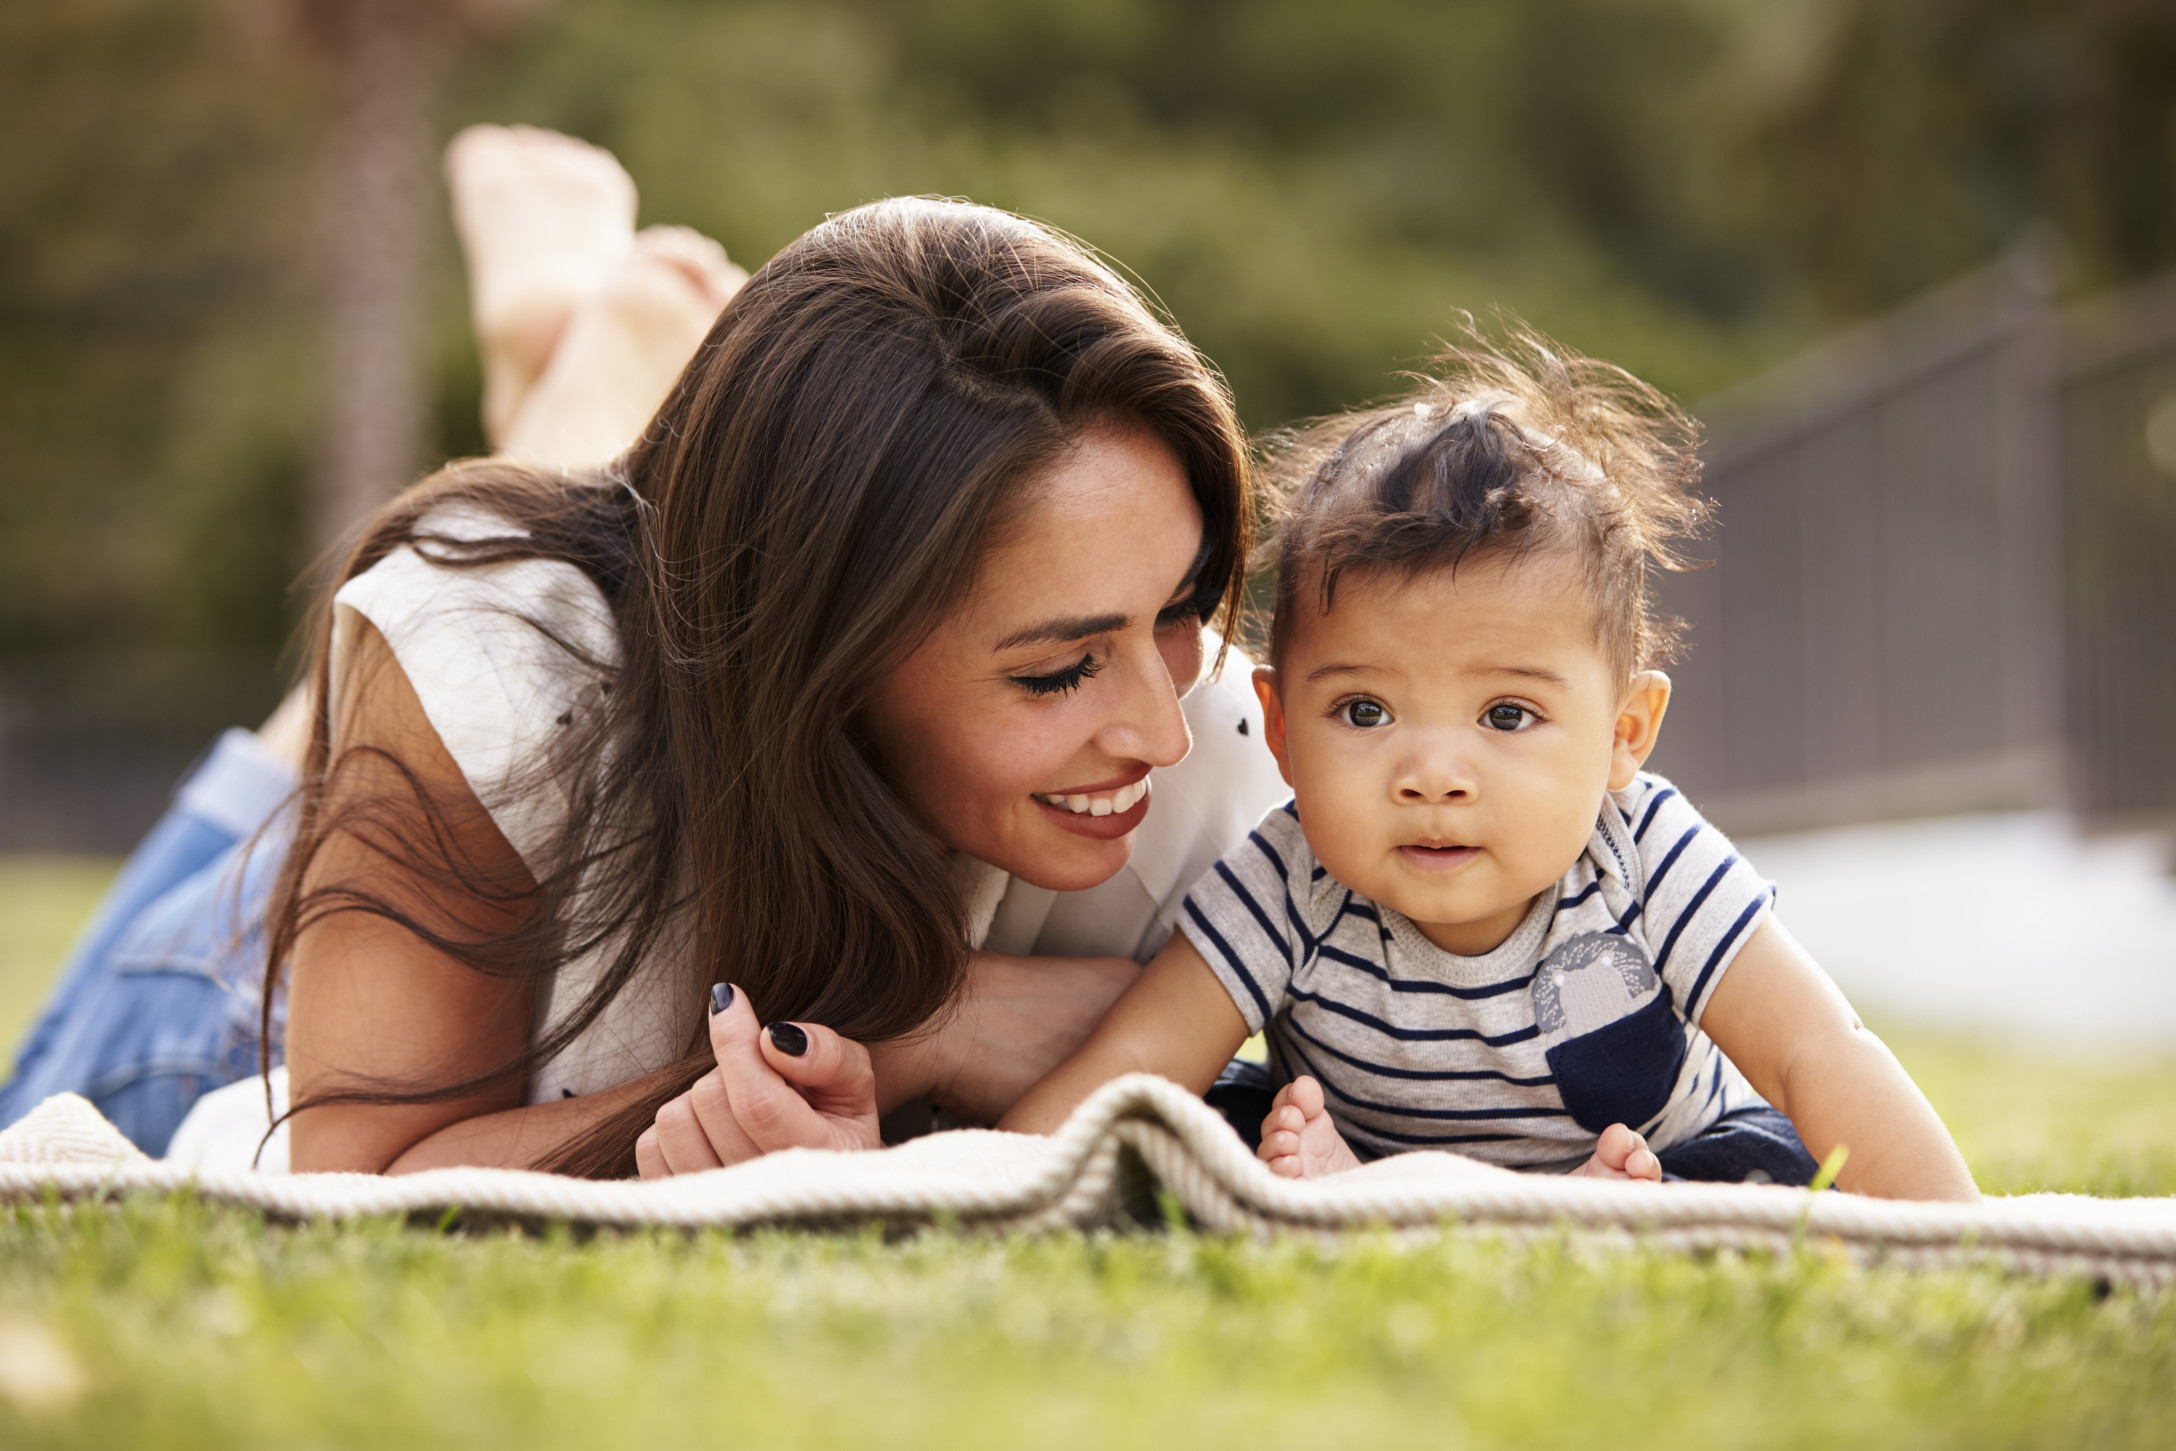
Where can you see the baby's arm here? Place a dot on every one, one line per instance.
(1176, 1020)
(1790, 1032)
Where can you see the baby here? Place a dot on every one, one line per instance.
(1480, 925)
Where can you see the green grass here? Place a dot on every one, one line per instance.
(44, 902)
(170, 1324)
(195, 1328)
(2026, 1121)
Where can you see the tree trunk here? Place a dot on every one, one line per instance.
(376, 187)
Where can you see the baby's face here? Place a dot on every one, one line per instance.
(1449, 738)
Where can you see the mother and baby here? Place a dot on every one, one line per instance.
(859, 728)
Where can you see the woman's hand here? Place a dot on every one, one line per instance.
(1018, 1018)
(784, 1086)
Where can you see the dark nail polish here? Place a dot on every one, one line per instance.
(721, 997)
(789, 1039)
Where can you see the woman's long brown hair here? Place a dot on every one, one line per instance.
(808, 503)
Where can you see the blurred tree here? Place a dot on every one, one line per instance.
(1903, 141)
(385, 60)
(376, 198)
(155, 372)
(1691, 187)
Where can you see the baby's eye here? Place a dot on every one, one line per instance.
(1365, 714)
(1504, 716)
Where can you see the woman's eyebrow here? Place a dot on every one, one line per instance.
(1185, 591)
(1192, 582)
(1065, 630)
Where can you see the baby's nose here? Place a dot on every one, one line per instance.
(1435, 776)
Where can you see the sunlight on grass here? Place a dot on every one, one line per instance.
(169, 1324)
(2046, 1121)
(192, 1327)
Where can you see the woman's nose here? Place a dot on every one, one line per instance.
(1146, 723)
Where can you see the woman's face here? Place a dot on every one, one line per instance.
(1023, 730)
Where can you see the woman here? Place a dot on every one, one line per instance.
(858, 661)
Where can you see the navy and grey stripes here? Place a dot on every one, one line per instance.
(1418, 1048)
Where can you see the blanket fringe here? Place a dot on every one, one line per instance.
(1101, 1167)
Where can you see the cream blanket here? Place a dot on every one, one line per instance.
(1104, 1167)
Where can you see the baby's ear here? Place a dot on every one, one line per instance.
(1265, 690)
(1639, 722)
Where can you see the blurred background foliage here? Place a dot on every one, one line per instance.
(1693, 188)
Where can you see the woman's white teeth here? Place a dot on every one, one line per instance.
(1107, 804)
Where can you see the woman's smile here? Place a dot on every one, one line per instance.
(1025, 727)
(1104, 812)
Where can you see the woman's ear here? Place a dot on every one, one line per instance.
(1265, 689)
(1639, 722)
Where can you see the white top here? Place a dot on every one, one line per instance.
(1587, 1015)
(497, 690)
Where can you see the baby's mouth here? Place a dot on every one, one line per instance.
(1100, 803)
(1437, 857)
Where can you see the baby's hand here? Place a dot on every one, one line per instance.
(1298, 1139)
(1622, 1154)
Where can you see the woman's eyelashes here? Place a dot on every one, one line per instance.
(1059, 682)
(1190, 611)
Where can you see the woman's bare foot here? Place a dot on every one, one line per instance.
(1622, 1154)
(622, 348)
(1298, 1139)
(701, 263)
(542, 218)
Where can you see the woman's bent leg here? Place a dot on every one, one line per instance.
(622, 349)
(149, 1010)
(582, 323)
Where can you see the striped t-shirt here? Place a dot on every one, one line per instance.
(1587, 1015)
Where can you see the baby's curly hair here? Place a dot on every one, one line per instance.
(1517, 446)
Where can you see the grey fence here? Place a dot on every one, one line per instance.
(2119, 460)
(1941, 578)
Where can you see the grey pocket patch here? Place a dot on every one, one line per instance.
(1590, 982)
